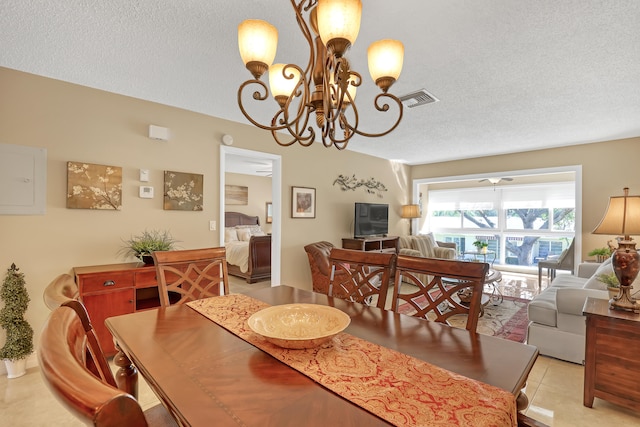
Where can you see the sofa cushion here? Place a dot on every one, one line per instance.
(568, 281)
(542, 309)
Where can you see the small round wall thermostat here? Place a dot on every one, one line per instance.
(227, 139)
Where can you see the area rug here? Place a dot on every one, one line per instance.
(507, 319)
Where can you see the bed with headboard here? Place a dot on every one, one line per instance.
(248, 247)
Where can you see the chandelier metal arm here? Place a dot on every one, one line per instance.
(383, 108)
(304, 28)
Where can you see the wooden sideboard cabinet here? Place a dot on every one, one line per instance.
(612, 364)
(114, 289)
(382, 244)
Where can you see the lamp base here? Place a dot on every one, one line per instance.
(626, 265)
(624, 301)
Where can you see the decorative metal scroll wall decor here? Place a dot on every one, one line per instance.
(371, 185)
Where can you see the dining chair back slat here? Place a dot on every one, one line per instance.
(432, 288)
(359, 276)
(188, 275)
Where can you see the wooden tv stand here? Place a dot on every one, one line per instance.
(381, 244)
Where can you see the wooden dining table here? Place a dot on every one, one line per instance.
(206, 375)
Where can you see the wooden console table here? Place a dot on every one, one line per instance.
(612, 347)
(115, 289)
(382, 244)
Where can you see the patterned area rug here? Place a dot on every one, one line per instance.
(507, 319)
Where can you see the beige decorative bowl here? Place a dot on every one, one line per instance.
(298, 326)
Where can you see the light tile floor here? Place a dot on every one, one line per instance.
(554, 387)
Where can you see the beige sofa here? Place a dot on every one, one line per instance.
(556, 324)
(426, 246)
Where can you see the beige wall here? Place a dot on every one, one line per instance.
(607, 168)
(259, 189)
(76, 123)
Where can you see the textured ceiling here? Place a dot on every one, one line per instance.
(510, 75)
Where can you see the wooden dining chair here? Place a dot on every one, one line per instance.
(76, 371)
(188, 275)
(359, 276)
(432, 288)
(61, 289)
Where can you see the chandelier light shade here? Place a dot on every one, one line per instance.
(623, 219)
(283, 82)
(257, 41)
(322, 90)
(339, 23)
(385, 62)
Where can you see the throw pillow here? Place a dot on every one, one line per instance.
(230, 234)
(405, 242)
(244, 234)
(425, 245)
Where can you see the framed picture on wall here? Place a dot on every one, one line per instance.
(236, 195)
(269, 213)
(303, 202)
(91, 186)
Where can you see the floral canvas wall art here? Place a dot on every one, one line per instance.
(183, 191)
(92, 186)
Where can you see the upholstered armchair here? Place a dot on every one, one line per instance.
(318, 254)
(426, 246)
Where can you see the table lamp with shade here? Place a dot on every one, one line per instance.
(410, 212)
(623, 219)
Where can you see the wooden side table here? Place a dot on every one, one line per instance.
(612, 355)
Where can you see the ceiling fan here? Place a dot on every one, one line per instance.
(494, 181)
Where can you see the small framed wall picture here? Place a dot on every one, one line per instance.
(303, 202)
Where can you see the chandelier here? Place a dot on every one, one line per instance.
(327, 84)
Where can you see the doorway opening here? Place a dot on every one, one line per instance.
(265, 160)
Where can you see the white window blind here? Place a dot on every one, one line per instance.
(547, 195)
(463, 198)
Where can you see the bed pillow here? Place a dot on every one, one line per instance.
(255, 228)
(244, 234)
(230, 234)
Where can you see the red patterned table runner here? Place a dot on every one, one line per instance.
(396, 387)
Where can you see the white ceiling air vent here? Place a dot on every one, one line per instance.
(419, 97)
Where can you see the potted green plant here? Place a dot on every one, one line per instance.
(142, 245)
(481, 246)
(610, 279)
(601, 254)
(19, 342)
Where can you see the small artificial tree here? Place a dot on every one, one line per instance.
(19, 342)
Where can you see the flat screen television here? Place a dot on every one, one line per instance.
(371, 219)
